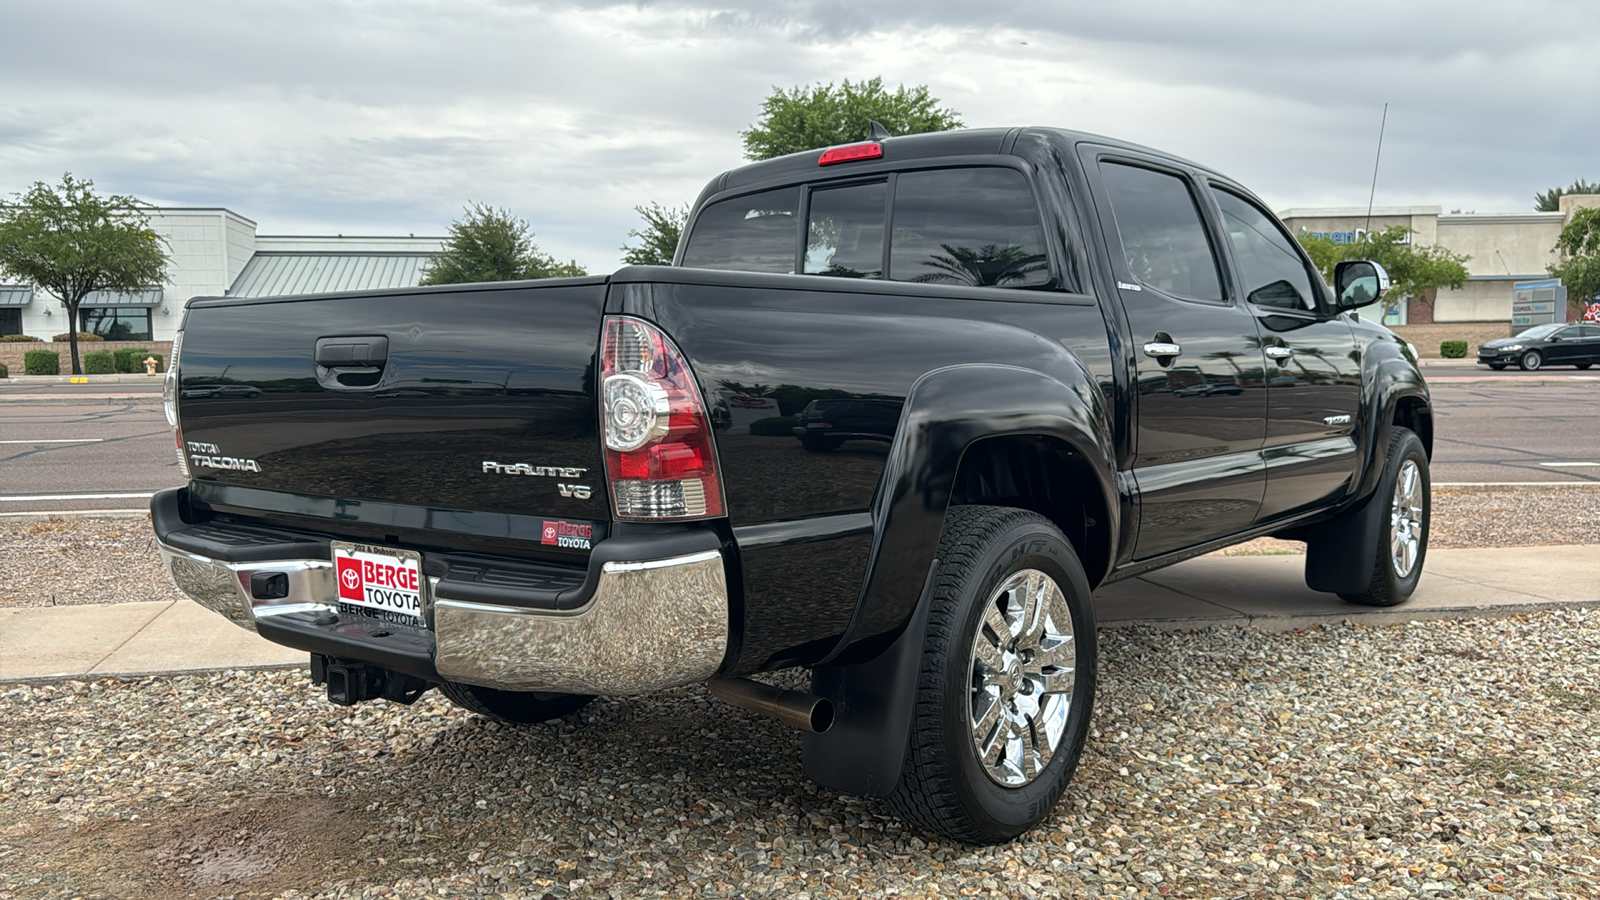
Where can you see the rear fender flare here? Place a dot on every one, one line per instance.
(946, 411)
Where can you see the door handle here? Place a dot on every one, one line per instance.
(1162, 350)
(1279, 353)
(370, 351)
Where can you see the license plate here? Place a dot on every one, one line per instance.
(384, 582)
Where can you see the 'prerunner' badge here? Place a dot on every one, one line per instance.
(567, 534)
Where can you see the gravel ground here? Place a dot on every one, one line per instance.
(1433, 759)
(61, 562)
(73, 561)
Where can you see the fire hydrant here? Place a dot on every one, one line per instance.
(150, 363)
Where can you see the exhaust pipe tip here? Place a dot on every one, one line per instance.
(798, 709)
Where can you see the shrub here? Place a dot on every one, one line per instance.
(19, 339)
(4, 372)
(774, 426)
(1453, 349)
(130, 360)
(82, 336)
(99, 363)
(41, 362)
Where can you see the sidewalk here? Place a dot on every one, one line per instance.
(130, 639)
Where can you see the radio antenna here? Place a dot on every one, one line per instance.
(1381, 126)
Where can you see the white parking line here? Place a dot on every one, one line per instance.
(59, 441)
(28, 498)
(1569, 465)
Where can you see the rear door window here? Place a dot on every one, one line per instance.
(751, 233)
(974, 226)
(1163, 237)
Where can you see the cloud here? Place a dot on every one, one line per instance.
(361, 117)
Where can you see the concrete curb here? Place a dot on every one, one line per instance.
(1399, 615)
(157, 673)
(1493, 486)
(29, 515)
(91, 400)
(1563, 381)
(123, 378)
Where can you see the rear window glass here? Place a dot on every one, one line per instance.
(967, 226)
(845, 234)
(971, 226)
(752, 233)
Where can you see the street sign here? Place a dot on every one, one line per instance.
(1538, 303)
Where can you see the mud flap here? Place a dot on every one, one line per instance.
(863, 752)
(1340, 553)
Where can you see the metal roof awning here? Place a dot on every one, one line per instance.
(15, 295)
(279, 274)
(103, 299)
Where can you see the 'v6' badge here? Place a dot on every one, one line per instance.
(579, 491)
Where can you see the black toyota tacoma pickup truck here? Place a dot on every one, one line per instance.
(895, 411)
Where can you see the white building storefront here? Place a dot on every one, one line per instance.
(216, 252)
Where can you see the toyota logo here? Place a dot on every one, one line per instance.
(351, 578)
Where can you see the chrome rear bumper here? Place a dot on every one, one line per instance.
(650, 624)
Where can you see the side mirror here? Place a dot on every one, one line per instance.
(1359, 282)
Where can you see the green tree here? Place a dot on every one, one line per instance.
(1579, 250)
(806, 118)
(490, 244)
(1414, 271)
(658, 239)
(1550, 201)
(70, 241)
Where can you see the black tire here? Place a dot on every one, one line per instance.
(1387, 587)
(944, 786)
(1584, 365)
(820, 444)
(514, 707)
(1497, 366)
(1531, 361)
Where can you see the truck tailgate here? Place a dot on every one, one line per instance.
(473, 397)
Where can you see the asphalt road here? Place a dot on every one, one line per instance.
(83, 455)
(68, 447)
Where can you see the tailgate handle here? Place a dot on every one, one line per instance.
(368, 351)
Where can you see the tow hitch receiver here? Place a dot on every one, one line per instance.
(350, 682)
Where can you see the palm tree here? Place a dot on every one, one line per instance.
(988, 265)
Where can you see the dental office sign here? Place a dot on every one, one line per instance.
(1538, 303)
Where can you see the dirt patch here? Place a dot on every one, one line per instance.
(257, 849)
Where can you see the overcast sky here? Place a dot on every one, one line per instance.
(387, 117)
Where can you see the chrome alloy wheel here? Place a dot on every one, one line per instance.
(1405, 519)
(1022, 672)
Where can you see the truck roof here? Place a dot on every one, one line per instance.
(802, 166)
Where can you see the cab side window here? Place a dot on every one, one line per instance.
(973, 226)
(1273, 273)
(752, 233)
(1163, 236)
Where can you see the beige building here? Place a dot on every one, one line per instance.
(1505, 248)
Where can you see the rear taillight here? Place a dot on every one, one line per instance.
(169, 402)
(659, 457)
